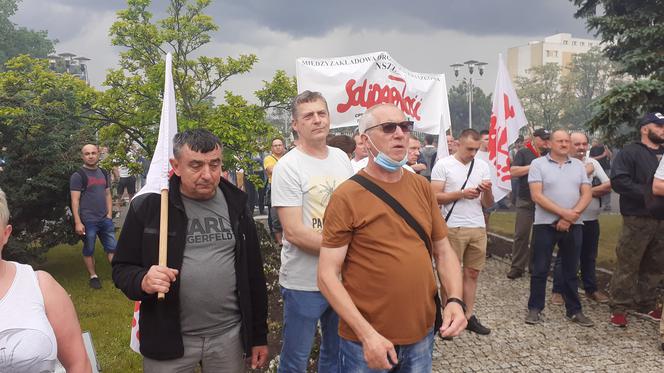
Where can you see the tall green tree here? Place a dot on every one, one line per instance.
(16, 40)
(129, 110)
(632, 33)
(40, 131)
(590, 76)
(457, 97)
(541, 95)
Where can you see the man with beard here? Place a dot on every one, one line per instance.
(640, 250)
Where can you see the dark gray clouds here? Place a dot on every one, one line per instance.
(300, 18)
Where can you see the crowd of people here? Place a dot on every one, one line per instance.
(382, 246)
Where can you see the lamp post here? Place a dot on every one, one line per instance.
(471, 64)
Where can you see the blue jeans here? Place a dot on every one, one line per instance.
(545, 237)
(588, 260)
(413, 358)
(106, 232)
(302, 310)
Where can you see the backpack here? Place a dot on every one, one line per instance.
(84, 178)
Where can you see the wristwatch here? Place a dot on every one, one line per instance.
(456, 300)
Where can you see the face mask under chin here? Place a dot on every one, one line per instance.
(384, 161)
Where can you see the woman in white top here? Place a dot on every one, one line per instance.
(38, 322)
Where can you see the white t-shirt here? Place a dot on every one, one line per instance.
(358, 165)
(302, 180)
(659, 174)
(467, 212)
(592, 211)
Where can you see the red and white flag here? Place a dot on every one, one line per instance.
(160, 167)
(507, 117)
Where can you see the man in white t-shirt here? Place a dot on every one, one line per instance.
(463, 192)
(601, 185)
(360, 159)
(302, 182)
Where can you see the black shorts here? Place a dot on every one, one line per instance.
(128, 183)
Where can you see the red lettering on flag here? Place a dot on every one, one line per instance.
(376, 94)
(498, 142)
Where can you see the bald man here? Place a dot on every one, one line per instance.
(91, 206)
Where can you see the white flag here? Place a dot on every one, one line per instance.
(507, 117)
(157, 179)
(160, 167)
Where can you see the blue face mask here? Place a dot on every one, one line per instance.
(385, 162)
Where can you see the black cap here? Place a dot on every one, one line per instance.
(542, 133)
(654, 117)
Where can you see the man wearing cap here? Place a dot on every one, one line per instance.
(525, 208)
(640, 249)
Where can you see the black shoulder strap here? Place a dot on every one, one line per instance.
(399, 209)
(395, 205)
(470, 170)
(84, 179)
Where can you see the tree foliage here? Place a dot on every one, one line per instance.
(458, 99)
(129, 110)
(16, 40)
(40, 133)
(632, 33)
(541, 95)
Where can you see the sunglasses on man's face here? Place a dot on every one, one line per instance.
(390, 127)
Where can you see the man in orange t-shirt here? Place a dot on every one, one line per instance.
(373, 267)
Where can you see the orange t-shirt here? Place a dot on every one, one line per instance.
(387, 270)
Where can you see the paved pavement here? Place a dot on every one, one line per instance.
(556, 345)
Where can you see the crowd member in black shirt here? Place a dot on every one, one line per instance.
(525, 208)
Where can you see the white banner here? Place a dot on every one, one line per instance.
(352, 84)
(507, 117)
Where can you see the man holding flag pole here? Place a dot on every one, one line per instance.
(214, 312)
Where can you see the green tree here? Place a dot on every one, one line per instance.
(40, 132)
(590, 76)
(541, 95)
(632, 33)
(457, 97)
(129, 110)
(16, 40)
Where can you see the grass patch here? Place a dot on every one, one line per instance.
(502, 223)
(106, 313)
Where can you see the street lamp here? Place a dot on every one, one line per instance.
(471, 64)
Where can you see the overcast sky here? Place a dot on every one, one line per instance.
(424, 36)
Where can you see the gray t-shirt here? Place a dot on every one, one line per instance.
(92, 205)
(560, 183)
(208, 288)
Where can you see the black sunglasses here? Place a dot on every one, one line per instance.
(390, 127)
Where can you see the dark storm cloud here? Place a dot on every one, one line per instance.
(475, 17)
(300, 18)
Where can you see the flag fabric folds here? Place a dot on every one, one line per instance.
(507, 118)
(160, 167)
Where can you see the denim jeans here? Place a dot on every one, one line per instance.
(413, 358)
(588, 259)
(103, 228)
(545, 237)
(302, 310)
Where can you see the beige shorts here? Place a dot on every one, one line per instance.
(470, 246)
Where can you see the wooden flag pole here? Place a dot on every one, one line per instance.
(163, 234)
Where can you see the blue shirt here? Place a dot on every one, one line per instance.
(561, 183)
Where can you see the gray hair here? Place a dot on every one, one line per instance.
(4, 209)
(306, 97)
(198, 140)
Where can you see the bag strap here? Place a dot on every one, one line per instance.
(470, 170)
(395, 205)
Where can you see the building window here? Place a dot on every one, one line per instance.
(582, 44)
(573, 43)
(565, 42)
